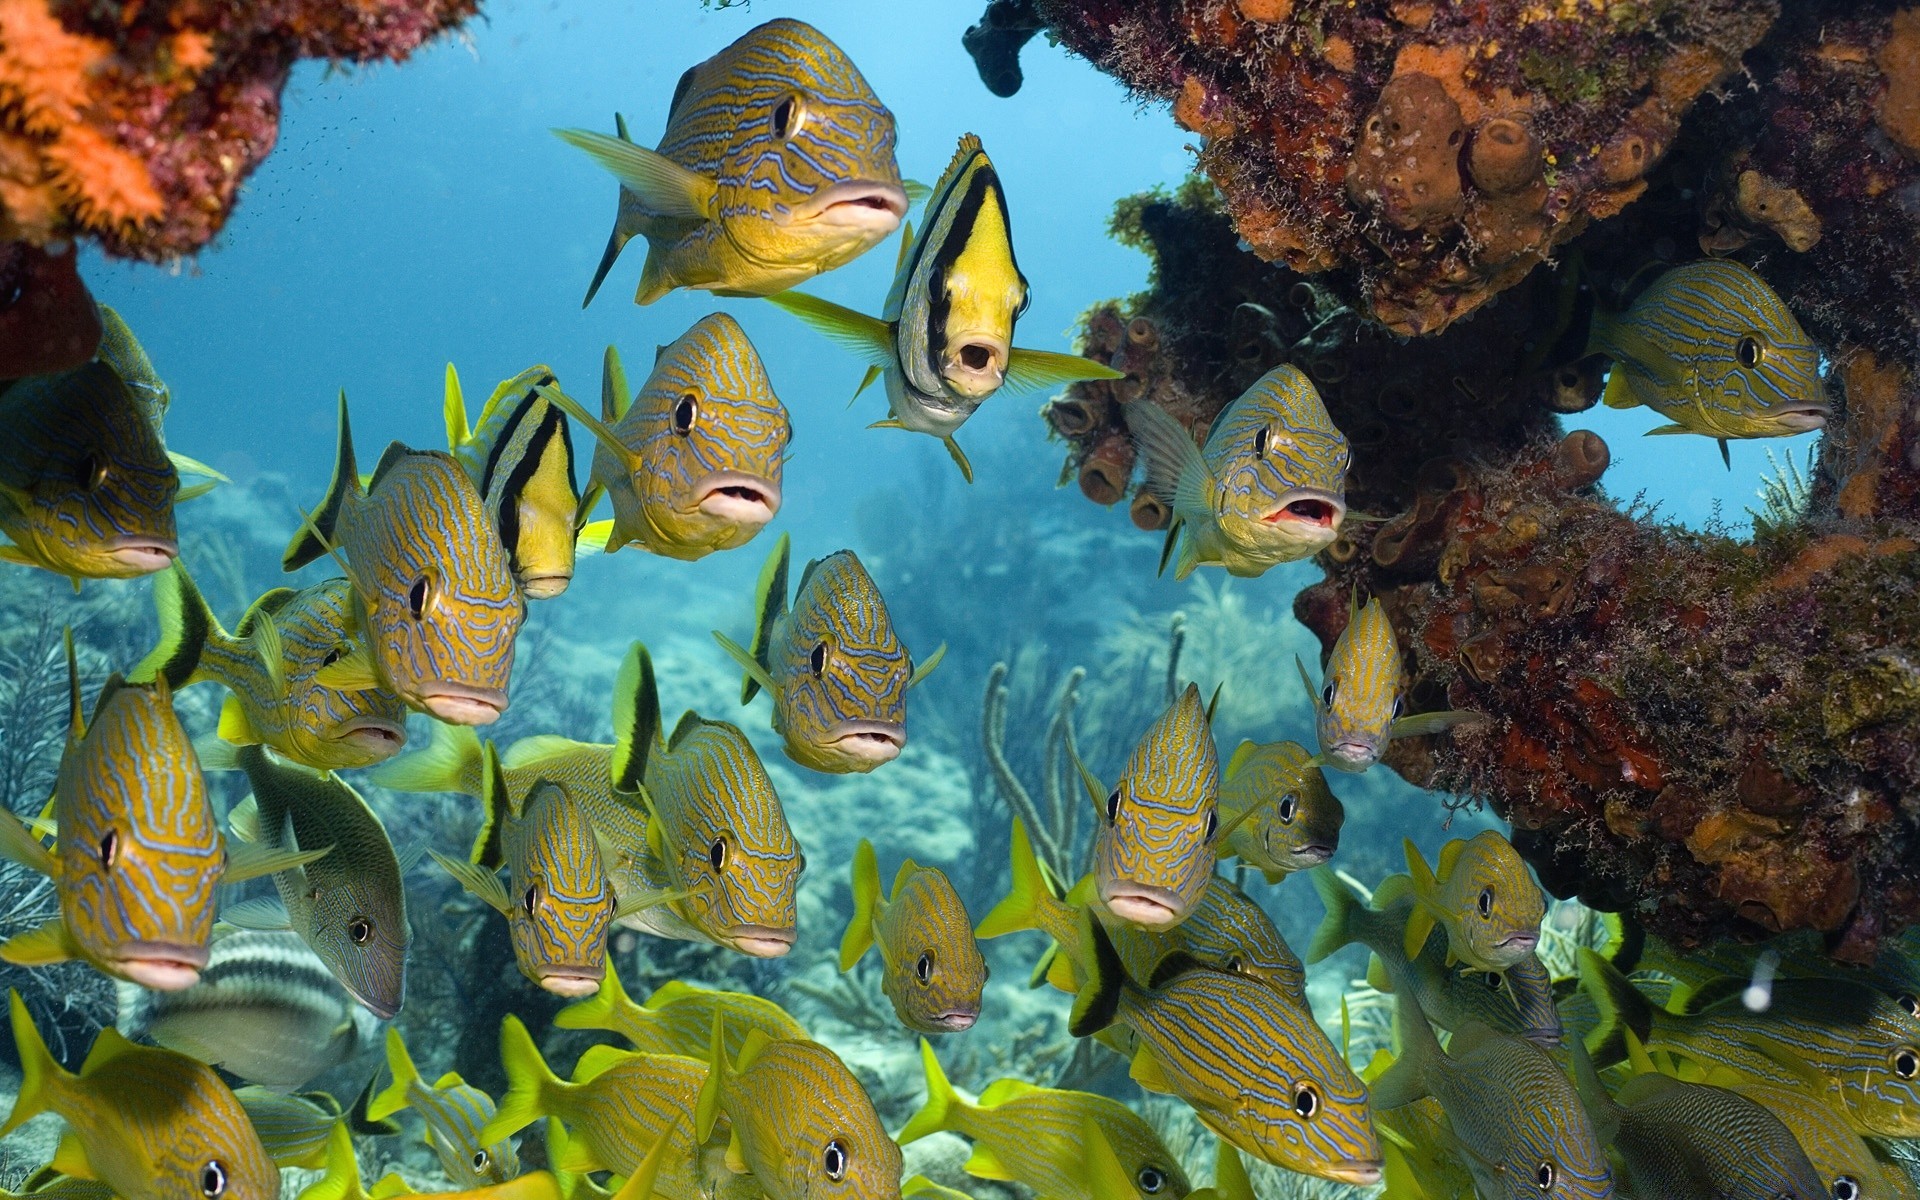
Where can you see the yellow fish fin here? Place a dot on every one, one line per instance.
(1637, 1057)
(17, 555)
(1026, 893)
(1420, 920)
(937, 1113)
(40, 946)
(453, 409)
(906, 238)
(603, 433)
(639, 1185)
(636, 720)
(1444, 866)
(959, 457)
(1667, 430)
(985, 1164)
(194, 491)
(485, 885)
(736, 1159)
(921, 671)
(1230, 1181)
(706, 1112)
(1377, 977)
(351, 672)
(1061, 973)
(641, 901)
(244, 820)
(193, 466)
(1422, 724)
(235, 726)
(1273, 877)
(917, 192)
(315, 536)
(1241, 754)
(1306, 681)
(751, 1047)
(866, 905)
(595, 537)
(1147, 1072)
(1002, 1090)
(389, 1187)
(251, 860)
(665, 188)
(616, 397)
(19, 845)
(599, 1010)
(868, 338)
(1177, 472)
(528, 1080)
(70, 1157)
(270, 648)
(866, 381)
(1029, 369)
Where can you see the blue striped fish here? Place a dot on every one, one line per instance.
(944, 340)
(438, 605)
(1035, 1136)
(455, 1114)
(678, 1017)
(520, 456)
(1226, 931)
(1269, 486)
(717, 828)
(1153, 848)
(1844, 1161)
(150, 1123)
(269, 666)
(776, 165)
(932, 968)
(1482, 895)
(1254, 1064)
(1281, 815)
(1713, 349)
(832, 663)
(1357, 708)
(692, 463)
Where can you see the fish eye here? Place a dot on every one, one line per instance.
(1234, 964)
(817, 661)
(1151, 1180)
(835, 1160)
(1750, 352)
(531, 900)
(93, 472)
(1113, 805)
(1486, 903)
(1399, 702)
(213, 1179)
(717, 853)
(1326, 694)
(417, 597)
(110, 848)
(1906, 1064)
(331, 657)
(685, 412)
(1260, 442)
(1213, 823)
(1544, 1175)
(1289, 806)
(786, 117)
(479, 1160)
(360, 930)
(1493, 980)
(1907, 1001)
(1306, 1101)
(1846, 1187)
(923, 966)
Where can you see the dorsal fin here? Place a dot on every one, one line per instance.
(636, 719)
(389, 458)
(769, 604)
(316, 533)
(689, 722)
(76, 723)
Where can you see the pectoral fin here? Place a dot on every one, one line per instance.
(485, 885)
(665, 188)
(40, 946)
(1028, 369)
(926, 668)
(1422, 724)
(595, 537)
(868, 337)
(251, 860)
(351, 672)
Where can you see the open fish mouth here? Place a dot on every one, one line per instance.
(1316, 510)
(761, 941)
(738, 497)
(1362, 1171)
(1802, 420)
(143, 554)
(162, 966)
(867, 741)
(1143, 905)
(975, 363)
(571, 981)
(857, 204)
(1351, 753)
(545, 587)
(374, 735)
(461, 704)
(956, 1020)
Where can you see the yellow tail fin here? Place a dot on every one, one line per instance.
(866, 902)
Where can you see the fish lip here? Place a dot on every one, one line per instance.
(1523, 941)
(739, 497)
(1803, 419)
(386, 1012)
(868, 741)
(463, 704)
(161, 966)
(975, 383)
(749, 940)
(856, 204)
(1142, 904)
(1315, 853)
(1362, 1171)
(1308, 507)
(571, 981)
(956, 1020)
(374, 733)
(1354, 752)
(545, 587)
(143, 552)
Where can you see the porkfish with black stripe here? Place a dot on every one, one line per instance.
(520, 455)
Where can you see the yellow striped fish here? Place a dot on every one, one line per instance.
(832, 663)
(1482, 895)
(800, 1122)
(678, 1017)
(520, 457)
(1153, 849)
(1034, 1136)
(150, 1123)
(718, 831)
(341, 1181)
(1282, 815)
(294, 1129)
(1357, 709)
(1226, 931)
(438, 605)
(1845, 1163)
(944, 340)
(1713, 349)
(776, 165)
(1269, 486)
(351, 905)
(455, 1114)
(1254, 1064)
(693, 461)
(933, 971)
(557, 900)
(269, 666)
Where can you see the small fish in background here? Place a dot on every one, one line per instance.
(801, 1124)
(1357, 709)
(776, 165)
(454, 1112)
(831, 662)
(943, 342)
(49, 1184)
(149, 1123)
(727, 856)
(349, 906)
(1717, 352)
(933, 972)
(341, 1181)
(1692, 1141)
(265, 1009)
(1035, 1136)
(1269, 486)
(439, 608)
(1226, 931)
(1153, 845)
(268, 666)
(678, 1017)
(692, 462)
(561, 904)
(520, 456)
(296, 1129)
(1283, 816)
(1482, 895)
(1254, 1064)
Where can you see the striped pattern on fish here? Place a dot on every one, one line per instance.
(1295, 820)
(1225, 930)
(678, 1017)
(562, 900)
(455, 1114)
(520, 456)
(1153, 849)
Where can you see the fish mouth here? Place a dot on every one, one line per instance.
(867, 741)
(1313, 855)
(1352, 755)
(143, 554)
(738, 498)
(1312, 509)
(571, 981)
(374, 735)
(956, 1020)
(461, 704)
(1802, 419)
(1522, 942)
(761, 941)
(1143, 905)
(1362, 1171)
(162, 966)
(975, 363)
(545, 587)
(857, 204)
(384, 1010)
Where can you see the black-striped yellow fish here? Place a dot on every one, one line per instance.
(834, 667)
(777, 164)
(932, 968)
(1482, 895)
(1357, 709)
(943, 342)
(692, 463)
(1269, 486)
(150, 1123)
(557, 901)
(1282, 816)
(269, 666)
(520, 456)
(1254, 1064)
(455, 1113)
(1035, 1136)
(351, 905)
(1153, 845)
(1713, 349)
(800, 1122)
(438, 605)
(678, 1017)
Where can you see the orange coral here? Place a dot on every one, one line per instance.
(43, 68)
(106, 186)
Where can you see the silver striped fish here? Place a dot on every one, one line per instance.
(520, 456)
(1153, 849)
(455, 1114)
(933, 972)
(776, 165)
(1269, 486)
(1357, 709)
(1282, 816)
(692, 463)
(438, 605)
(832, 663)
(294, 1129)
